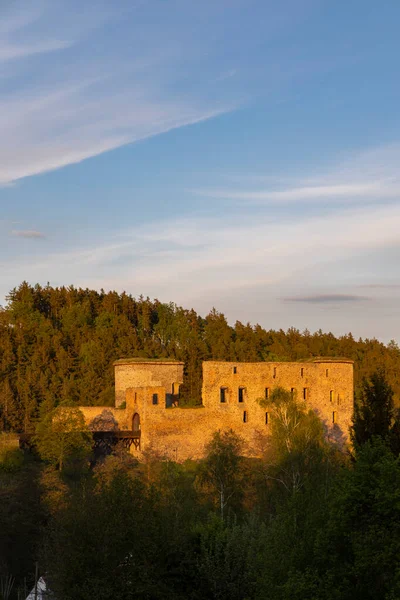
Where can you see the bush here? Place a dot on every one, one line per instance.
(11, 457)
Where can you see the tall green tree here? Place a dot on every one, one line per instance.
(373, 411)
(221, 468)
(62, 436)
(60, 343)
(357, 554)
(296, 442)
(228, 558)
(115, 539)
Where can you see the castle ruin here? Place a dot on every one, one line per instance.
(147, 401)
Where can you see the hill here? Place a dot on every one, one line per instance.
(58, 345)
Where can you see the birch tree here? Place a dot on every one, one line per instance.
(221, 469)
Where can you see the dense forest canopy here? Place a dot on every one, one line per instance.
(305, 520)
(58, 345)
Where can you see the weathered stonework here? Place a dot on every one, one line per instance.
(149, 390)
(137, 373)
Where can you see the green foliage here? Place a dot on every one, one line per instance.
(11, 460)
(114, 540)
(304, 522)
(126, 533)
(359, 548)
(373, 411)
(296, 444)
(228, 558)
(62, 437)
(299, 470)
(11, 457)
(59, 344)
(22, 518)
(221, 468)
(295, 428)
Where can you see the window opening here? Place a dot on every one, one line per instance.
(155, 398)
(136, 422)
(274, 372)
(266, 418)
(235, 370)
(304, 393)
(331, 395)
(327, 372)
(245, 416)
(241, 394)
(292, 391)
(334, 417)
(302, 372)
(267, 393)
(222, 394)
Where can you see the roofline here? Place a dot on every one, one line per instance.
(328, 359)
(146, 361)
(167, 361)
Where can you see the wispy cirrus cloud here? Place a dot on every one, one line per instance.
(18, 35)
(327, 298)
(13, 51)
(81, 79)
(28, 234)
(75, 103)
(243, 262)
(239, 250)
(366, 176)
(362, 190)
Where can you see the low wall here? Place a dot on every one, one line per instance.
(105, 418)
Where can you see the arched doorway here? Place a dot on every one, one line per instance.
(136, 422)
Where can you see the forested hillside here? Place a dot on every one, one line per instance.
(58, 345)
(305, 520)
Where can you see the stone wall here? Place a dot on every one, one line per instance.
(135, 373)
(326, 385)
(176, 433)
(182, 433)
(94, 415)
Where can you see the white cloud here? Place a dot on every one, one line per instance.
(369, 175)
(244, 264)
(79, 91)
(207, 251)
(18, 16)
(29, 157)
(382, 189)
(10, 51)
(63, 102)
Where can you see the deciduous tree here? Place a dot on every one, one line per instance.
(62, 436)
(221, 468)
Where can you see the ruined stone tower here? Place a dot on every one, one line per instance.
(147, 401)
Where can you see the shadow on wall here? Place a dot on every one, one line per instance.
(335, 435)
(104, 422)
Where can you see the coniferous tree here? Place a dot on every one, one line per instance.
(373, 411)
(59, 344)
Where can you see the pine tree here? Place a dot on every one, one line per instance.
(373, 411)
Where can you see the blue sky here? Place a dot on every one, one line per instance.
(242, 154)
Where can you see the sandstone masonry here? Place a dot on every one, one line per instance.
(147, 401)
